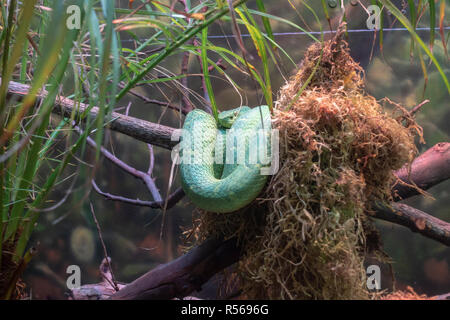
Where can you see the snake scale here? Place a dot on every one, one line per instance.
(221, 162)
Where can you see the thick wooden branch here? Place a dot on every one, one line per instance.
(184, 275)
(415, 220)
(145, 131)
(427, 170)
(443, 297)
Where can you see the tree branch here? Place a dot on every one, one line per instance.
(97, 291)
(416, 220)
(172, 200)
(157, 102)
(146, 177)
(427, 170)
(184, 275)
(141, 130)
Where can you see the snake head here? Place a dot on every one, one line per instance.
(227, 118)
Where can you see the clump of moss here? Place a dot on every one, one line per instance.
(304, 238)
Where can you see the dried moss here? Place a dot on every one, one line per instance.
(304, 238)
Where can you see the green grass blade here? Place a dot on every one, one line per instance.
(403, 20)
(413, 17)
(191, 32)
(424, 71)
(285, 21)
(441, 27)
(206, 77)
(258, 41)
(16, 52)
(52, 61)
(325, 11)
(432, 7)
(266, 22)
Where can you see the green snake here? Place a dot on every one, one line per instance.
(221, 162)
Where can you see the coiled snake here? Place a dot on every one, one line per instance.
(221, 163)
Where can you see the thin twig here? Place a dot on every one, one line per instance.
(417, 108)
(186, 103)
(202, 77)
(171, 200)
(132, 13)
(154, 101)
(152, 159)
(144, 176)
(114, 283)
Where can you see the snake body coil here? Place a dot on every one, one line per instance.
(221, 164)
